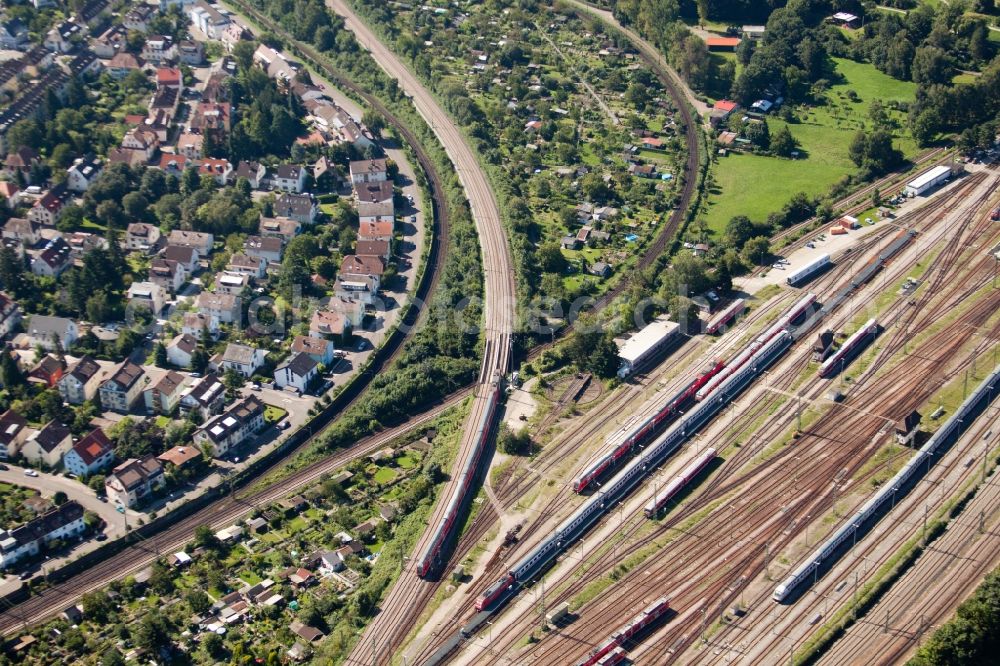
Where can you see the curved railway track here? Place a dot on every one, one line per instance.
(138, 555)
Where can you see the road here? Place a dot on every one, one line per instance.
(49, 484)
(402, 603)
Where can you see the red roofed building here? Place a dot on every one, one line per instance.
(722, 43)
(169, 77)
(721, 111)
(371, 231)
(173, 164)
(216, 168)
(91, 454)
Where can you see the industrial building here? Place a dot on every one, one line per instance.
(927, 181)
(645, 344)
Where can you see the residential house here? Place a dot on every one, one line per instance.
(159, 48)
(289, 178)
(195, 323)
(318, 349)
(209, 20)
(266, 248)
(48, 371)
(167, 274)
(243, 359)
(368, 171)
(231, 428)
(21, 161)
(63, 522)
(297, 372)
(91, 454)
(147, 295)
(172, 164)
(82, 242)
(83, 173)
(207, 395)
(279, 227)
(191, 53)
(28, 232)
(11, 194)
(131, 482)
(188, 257)
(13, 34)
(721, 111)
(324, 175)
(225, 308)
(218, 169)
(375, 231)
(122, 64)
(369, 213)
(164, 396)
(254, 172)
(10, 315)
(64, 37)
(139, 17)
(51, 332)
(355, 266)
(48, 445)
(163, 107)
(48, 209)
(141, 236)
(362, 289)
(180, 350)
(232, 283)
(299, 207)
(200, 241)
(179, 457)
(331, 562)
(373, 248)
(190, 145)
(242, 264)
(110, 43)
(234, 33)
(121, 391)
(141, 140)
(52, 259)
(212, 117)
(81, 382)
(14, 432)
(380, 192)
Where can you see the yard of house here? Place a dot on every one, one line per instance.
(756, 185)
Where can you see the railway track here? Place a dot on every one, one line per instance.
(138, 555)
(601, 619)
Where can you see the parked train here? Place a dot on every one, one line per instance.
(432, 555)
(616, 656)
(734, 310)
(852, 345)
(648, 616)
(634, 471)
(625, 439)
(897, 487)
(798, 309)
(808, 272)
(678, 483)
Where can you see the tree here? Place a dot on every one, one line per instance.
(234, 381)
(97, 606)
(160, 578)
(198, 601)
(59, 498)
(757, 250)
(550, 258)
(590, 349)
(10, 374)
(782, 142)
(931, 65)
(112, 657)
(24, 133)
(153, 632)
(160, 353)
(513, 442)
(199, 360)
(874, 152)
(738, 231)
(213, 645)
(374, 121)
(205, 538)
(11, 270)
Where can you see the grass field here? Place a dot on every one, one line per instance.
(755, 185)
(273, 414)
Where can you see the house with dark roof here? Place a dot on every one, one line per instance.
(27, 232)
(289, 178)
(368, 171)
(299, 207)
(81, 382)
(53, 259)
(196, 239)
(14, 432)
(231, 428)
(254, 172)
(207, 395)
(297, 371)
(373, 248)
(180, 350)
(379, 192)
(167, 274)
(188, 257)
(121, 391)
(48, 445)
(267, 248)
(10, 315)
(91, 454)
(62, 522)
(48, 371)
(134, 480)
(142, 237)
(243, 264)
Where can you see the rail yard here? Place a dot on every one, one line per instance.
(741, 518)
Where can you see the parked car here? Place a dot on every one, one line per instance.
(30, 472)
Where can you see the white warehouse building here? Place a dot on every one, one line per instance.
(927, 181)
(645, 344)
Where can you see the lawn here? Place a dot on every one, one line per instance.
(384, 475)
(406, 462)
(755, 185)
(273, 414)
